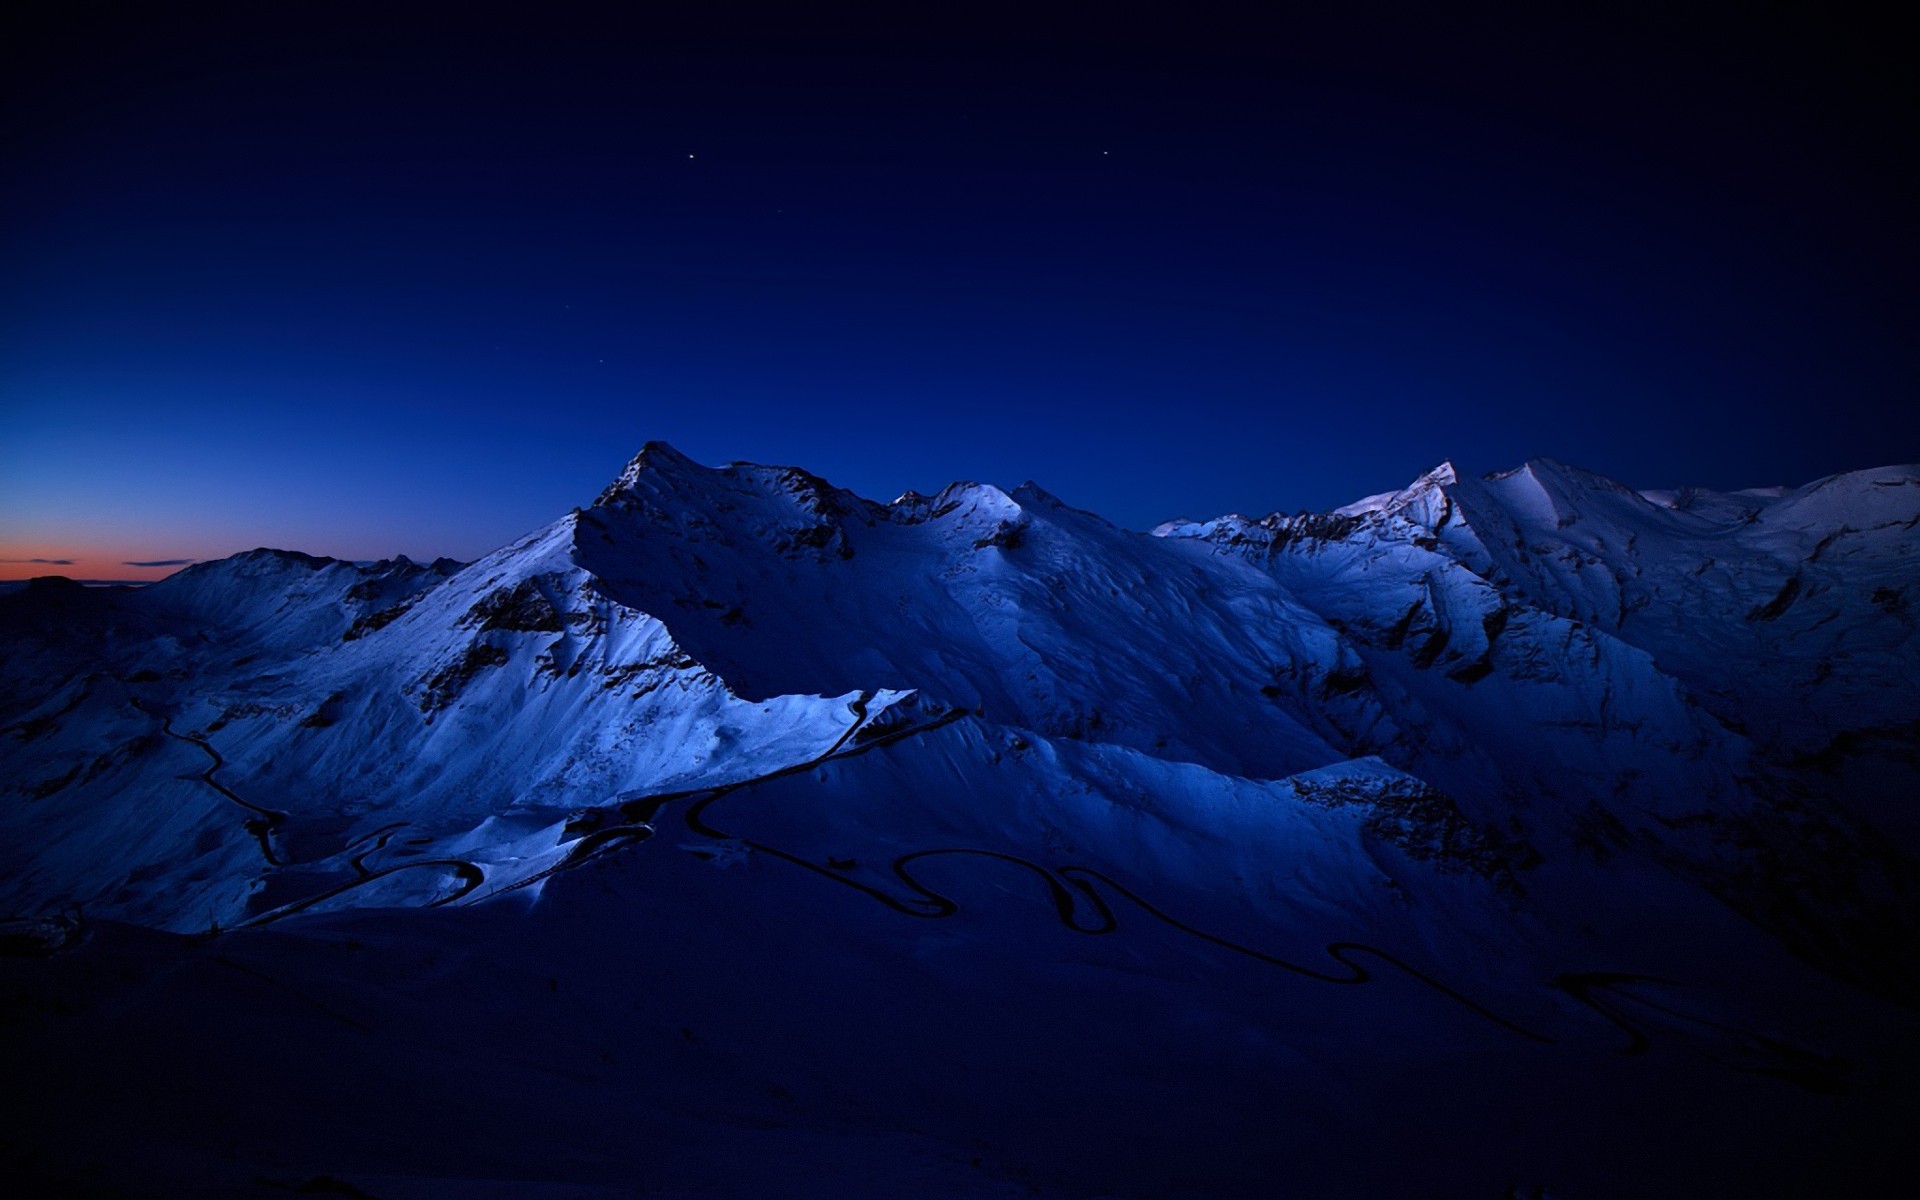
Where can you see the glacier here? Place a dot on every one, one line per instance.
(735, 834)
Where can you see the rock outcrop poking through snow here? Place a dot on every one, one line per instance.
(1552, 762)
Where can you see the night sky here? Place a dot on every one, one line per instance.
(418, 285)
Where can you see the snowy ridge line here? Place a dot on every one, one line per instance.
(695, 812)
(1454, 740)
(469, 874)
(639, 813)
(1792, 1064)
(934, 905)
(596, 843)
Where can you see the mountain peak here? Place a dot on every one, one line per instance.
(1425, 501)
(743, 725)
(657, 455)
(656, 458)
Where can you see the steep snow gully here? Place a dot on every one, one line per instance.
(1608, 792)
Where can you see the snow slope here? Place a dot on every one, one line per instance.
(737, 835)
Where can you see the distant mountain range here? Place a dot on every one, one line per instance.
(738, 835)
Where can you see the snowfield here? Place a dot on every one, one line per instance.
(740, 836)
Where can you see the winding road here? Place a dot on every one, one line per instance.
(379, 837)
(1066, 886)
(637, 815)
(1076, 895)
(264, 821)
(1075, 892)
(469, 874)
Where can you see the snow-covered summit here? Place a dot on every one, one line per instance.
(1452, 740)
(1535, 632)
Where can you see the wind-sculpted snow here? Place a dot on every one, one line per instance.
(455, 717)
(1724, 679)
(1038, 614)
(759, 783)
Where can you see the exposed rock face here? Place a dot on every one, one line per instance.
(1493, 729)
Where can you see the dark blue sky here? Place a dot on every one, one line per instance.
(420, 284)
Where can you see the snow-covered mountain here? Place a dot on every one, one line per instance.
(740, 835)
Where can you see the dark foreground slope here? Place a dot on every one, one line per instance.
(740, 836)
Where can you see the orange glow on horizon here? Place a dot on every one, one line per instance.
(113, 564)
